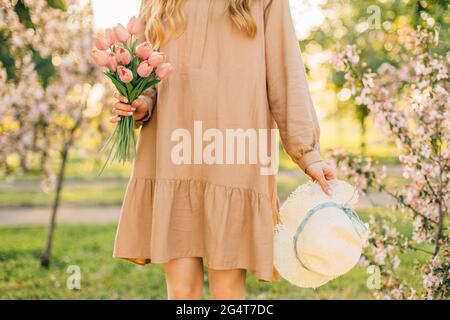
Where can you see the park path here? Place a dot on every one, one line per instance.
(106, 214)
(66, 215)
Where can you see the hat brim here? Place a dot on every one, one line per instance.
(288, 266)
(285, 260)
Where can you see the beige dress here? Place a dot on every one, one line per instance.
(222, 213)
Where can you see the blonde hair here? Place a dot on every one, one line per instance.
(165, 18)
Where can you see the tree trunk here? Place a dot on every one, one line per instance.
(23, 163)
(46, 256)
(363, 145)
(440, 227)
(45, 260)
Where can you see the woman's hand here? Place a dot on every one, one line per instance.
(138, 109)
(321, 172)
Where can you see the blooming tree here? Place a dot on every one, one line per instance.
(41, 117)
(411, 106)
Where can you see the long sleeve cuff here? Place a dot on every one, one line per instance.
(150, 95)
(308, 159)
(141, 122)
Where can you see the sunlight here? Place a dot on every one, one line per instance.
(108, 13)
(307, 13)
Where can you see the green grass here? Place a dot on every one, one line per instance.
(90, 248)
(80, 169)
(105, 194)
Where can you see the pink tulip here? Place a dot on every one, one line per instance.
(121, 33)
(125, 75)
(123, 56)
(156, 59)
(110, 36)
(112, 61)
(164, 71)
(101, 42)
(134, 26)
(100, 57)
(144, 69)
(144, 50)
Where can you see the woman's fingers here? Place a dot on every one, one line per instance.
(121, 109)
(139, 108)
(330, 173)
(138, 103)
(319, 172)
(323, 183)
(141, 104)
(118, 112)
(114, 119)
(120, 97)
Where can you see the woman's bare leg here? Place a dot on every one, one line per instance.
(184, 278)
(227, 284)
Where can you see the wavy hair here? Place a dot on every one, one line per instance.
(165, 18)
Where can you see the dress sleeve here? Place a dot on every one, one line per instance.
(150, 93)
(288, 92)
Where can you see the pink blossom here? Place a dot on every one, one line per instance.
(134, 26)
(156, 59)
(110, 36)
(100, 57)
(101, 42)
(112, 62)
(123, 56)
(143, 50)
(125, 75)
(144, 69)
(121, 33)
(164, 71)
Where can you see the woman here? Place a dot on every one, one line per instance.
(238, 66)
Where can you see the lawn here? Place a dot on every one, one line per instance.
(86, 193)
(102, 277)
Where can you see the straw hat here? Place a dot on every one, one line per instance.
(319, 237)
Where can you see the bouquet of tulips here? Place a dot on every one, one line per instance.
(133, 68)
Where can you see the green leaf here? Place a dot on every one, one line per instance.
(110, 75)
(23, 12)
(152, 83)
(58, 4)
(120, 87)
(134, 45)
(44, 67)
(138, 89)
(125, 45)
(134, 66)
(129, 88)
